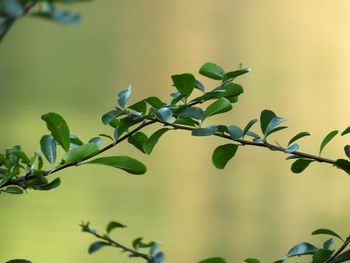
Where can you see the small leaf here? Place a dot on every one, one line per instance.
(112, 225)
(345, 256)
(303, 248)
(199, 85)
(155, 102)
(223, 154)
(328, 243)
(298, 136)
(106, 136)
(213, 260)
(58, 128)
(347, 150)
(137, 243)
(187, 122)
(323, 231)
(256, 137)
(111, 115)
(300, 165)
(248, 126)
(192, 112)
(53, 184)
(203, 132)
(152, 140)
(235, 132)
(344, 165)
(125, 163)
(230, 76)
(184, 83)
(13, 190)
(220, 106)
(18, 261)
(13, 8)
(164, 114)
(266, 117)
(252, 260)
(96, 140)
(292, 148)
(75, 141)
(271, 127)
(212, 71)
(80, 153)
(327, 139)
(138, 140)
(123, 97)
(346, 131)
(140, 106)
(97, 246)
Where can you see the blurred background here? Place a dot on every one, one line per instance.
(300, 55)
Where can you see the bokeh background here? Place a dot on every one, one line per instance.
(300, 55)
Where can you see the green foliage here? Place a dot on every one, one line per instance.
(222, 154)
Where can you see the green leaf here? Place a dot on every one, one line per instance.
(97, 246)
(276, 130)
(138, 140)
(266, 117)
(155, 102)
(58, 128)
(65, 17)
(48, 147)
(110, 116)
(21, 155)
(199, 85)
(75, 141)
(271, 127)
(164, 114)
(323, 231)
(13, 190)
(303, 248)
(18, 261)
(346, 131)
(187, 122)
(96, 140)
(344, 165)
(347, 150)
(125, 163)
(321, 256)
(235, 132)
(300, 165)
(212, 71)
(230, 76)
(140, 106)
(123, 96)
(248, 126)
(345, 256)
(252, 260)
(256, 137)
(53, 184)
(292, 148)
(327, 139)
(106, 136)
(5, 178)
(220, 106)
(328, 243)
(203, 132)
(213, 260)
(298, 136)
(112, 225)
(192, 112)
(152, 140)
(80, 153)
(184, 83)
(229, 91)
(12, 8)
(223, 154)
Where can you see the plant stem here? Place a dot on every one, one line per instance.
(113, 243)
(338, 251)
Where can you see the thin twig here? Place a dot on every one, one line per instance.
(338, 251)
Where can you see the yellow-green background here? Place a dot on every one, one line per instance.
(300, 55)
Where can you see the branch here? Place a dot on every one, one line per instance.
(133, 253)
(338, 251)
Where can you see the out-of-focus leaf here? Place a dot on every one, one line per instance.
(123, 96)
(13, 190)
(345, 256)
(65, 17)
(222, 154)
(125, 163)
(13, 8)
(96, 140)
(111, 115)
(266, 117)
(323, 231)
(140, 106)
(48, 147)
(19, 261)
(212, 71)
(298, 136)
(80, 153)
(346, 131)
(58, 128)
(327, 139)
(203, 132)
(112, 225)
(328, 243)
(213, 260)
(300, 165)
(155, 102)
(292, 148)
(321, 256)
(235, 132)
(303, 248)
(199, 85)
(248, 126)
(53, 184)
(347, 150)
(152, 140)
(272, 126)
(164, 114)
(97, 246)
(344, 165)
(193, 113)
(252, 260)
(184, 83)
(75, 141)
